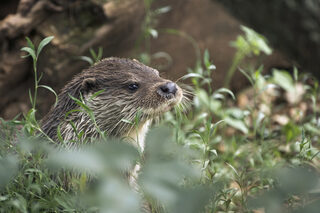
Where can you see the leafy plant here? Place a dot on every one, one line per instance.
(31, 121)
(34, 53)
(95, 57)
(250, 44)
(149, 32)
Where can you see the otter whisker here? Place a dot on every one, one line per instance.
(188, 94)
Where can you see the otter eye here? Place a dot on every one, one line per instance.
(133, 87)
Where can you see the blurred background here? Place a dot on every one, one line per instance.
(168, 35)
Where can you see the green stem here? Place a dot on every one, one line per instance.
(236, 61)
(35, 83)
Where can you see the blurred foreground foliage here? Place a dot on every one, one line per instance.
(39, 177)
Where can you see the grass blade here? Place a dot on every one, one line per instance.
(30, 51)
(43, 43)
(51, 90)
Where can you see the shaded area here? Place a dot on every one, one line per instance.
(77, 26)
(292, 26)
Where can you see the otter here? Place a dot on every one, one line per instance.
(123, 89)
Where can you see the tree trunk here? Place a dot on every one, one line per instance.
(77, 25)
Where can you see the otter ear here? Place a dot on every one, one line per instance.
(88, 84)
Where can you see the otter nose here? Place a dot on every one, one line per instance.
(168, 90)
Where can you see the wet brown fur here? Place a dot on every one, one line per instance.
(116, 102)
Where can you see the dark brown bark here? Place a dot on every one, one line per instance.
(77, 25)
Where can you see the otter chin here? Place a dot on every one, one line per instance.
(126, 88)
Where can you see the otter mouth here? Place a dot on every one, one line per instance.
(170, 100)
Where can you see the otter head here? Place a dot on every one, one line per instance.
(127, 88)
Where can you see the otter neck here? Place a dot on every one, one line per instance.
(137, 135)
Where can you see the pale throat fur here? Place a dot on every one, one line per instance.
(126, 88)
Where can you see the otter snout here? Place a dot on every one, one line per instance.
(167, 90)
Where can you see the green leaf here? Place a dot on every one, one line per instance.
(30, 51)
(87, 59)
(238, 124)
(60, 138)
(79, 136)
(74, 128)
(71, 111)
(96, 94)
(100, 52)
(30, 97)
(311, 128)
(30, 44)
(295, 74)
(250, 79)
(153, 33)
(43, 43)
(192, 75)
(51, 90)
(291, 131)
(235, 112)
(215, 126)
(256, 41)
(202, 95)
(206, 58)
(127, 121)
(212, 67)
(225, 90)
(283, 79)
(20, 203)
(80, 103)
(93, 53)
(241, 44)
(214, 152)
(162, 10)
(235, 171)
